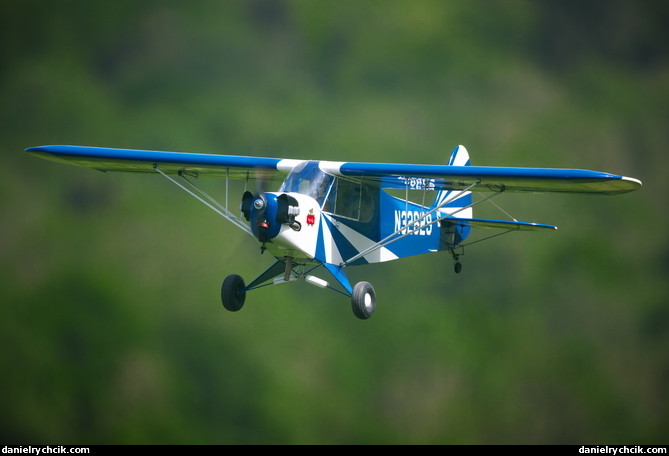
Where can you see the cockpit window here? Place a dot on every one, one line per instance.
(310, 180)
(346, 198)
(353, 200)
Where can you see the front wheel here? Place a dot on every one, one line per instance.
(363, 300)
(232, 295)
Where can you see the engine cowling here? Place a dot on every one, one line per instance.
(268, 212)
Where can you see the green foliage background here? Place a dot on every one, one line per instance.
(111, 328)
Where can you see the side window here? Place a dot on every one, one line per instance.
(366, 204)
(353, 200)
(348, 199)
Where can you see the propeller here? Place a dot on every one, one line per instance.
(266, 211)
(261, 180)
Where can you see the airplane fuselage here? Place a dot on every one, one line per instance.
(319, 218)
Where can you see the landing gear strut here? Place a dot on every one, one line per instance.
(233, 290)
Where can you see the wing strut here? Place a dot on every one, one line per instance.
(212, 204)
(417, 222)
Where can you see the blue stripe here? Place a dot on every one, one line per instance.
(346, 249)
(472, 172)
(320, 243)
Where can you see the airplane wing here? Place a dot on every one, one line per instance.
(489, 178)
(442, 177)
(190, 164)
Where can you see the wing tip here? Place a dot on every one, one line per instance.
(621, 185)
(635, 183)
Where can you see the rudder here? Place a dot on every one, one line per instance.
(459, 157)
(452, 233)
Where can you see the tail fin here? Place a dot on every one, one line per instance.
(453, 233)
(459, 157)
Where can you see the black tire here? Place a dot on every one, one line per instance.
(363, 300)
(458, 267)
(232, 295)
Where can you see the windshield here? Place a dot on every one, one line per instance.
(309, 180)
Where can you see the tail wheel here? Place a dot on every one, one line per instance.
(232, 295)
(457, 265)
(363, 300)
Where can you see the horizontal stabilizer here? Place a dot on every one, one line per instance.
(501, 224)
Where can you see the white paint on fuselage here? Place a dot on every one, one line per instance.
(299, 244)
(360, 243)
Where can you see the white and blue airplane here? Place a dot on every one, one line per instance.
(338, 214)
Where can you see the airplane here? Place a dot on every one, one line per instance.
(337, 214)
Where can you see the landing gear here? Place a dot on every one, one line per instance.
(363, 300)
(233, 290)
(457, 266)
(232, 295)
